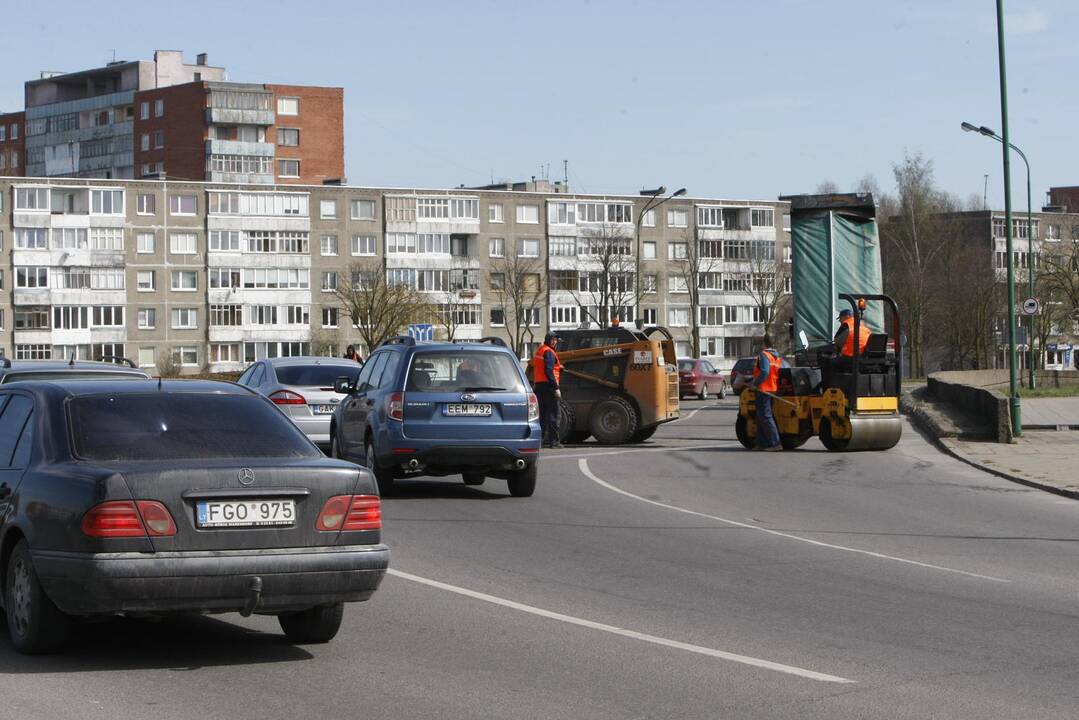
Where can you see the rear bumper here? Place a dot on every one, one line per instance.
(316, 427)
(210, 581)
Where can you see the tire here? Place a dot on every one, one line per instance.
(742, 431)
(473, 478)
(613, 421)
(703, 394)
(314, 625)
(577, 436)
(35, 624)
(383, 477)
(792, 442)
(567, 420)
(522, 483)
(723, 391)
(828, 441)
(335, 447)
(643, 434)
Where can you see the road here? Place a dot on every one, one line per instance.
(685, 578)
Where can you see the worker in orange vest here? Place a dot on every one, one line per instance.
(546, 377)
(766, 380)
(844, 339)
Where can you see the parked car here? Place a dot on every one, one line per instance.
(699, 377)
(742, 372)
(302, 387)
(438, 408)
(151, 497)
(20, 370)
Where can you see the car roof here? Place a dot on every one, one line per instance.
(34, 365)
(73, 388)
(310, 360)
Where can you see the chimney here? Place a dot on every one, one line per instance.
(200, 59)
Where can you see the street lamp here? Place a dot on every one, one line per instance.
(983, 130)
(654, 202)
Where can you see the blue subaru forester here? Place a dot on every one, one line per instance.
(440, 408)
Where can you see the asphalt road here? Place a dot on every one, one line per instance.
(684, 578)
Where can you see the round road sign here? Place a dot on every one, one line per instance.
(1031, 306)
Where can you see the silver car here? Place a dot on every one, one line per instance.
(302, 387)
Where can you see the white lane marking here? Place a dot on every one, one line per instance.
(717, 443)
(687, 417)
(644, 637)
(583, 464)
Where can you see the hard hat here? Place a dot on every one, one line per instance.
(845, 312)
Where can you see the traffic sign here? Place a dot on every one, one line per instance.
(1031, 306)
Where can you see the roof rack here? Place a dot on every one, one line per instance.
(493, 340)
(399, 340)
(118, 360)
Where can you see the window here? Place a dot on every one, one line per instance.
(327, 245)
(159, 139)
(107, 202)
(159, 107)
(144, 142)
(186, 355)
(69, 238)
(14, 131)
(146, 357)
(146, 204)
(297, 315)
(496, 247)
(184, 318)
(564, 314)
(288, 106)
(762, 217)
(35, 351)
(185, 280)
(32, 199)
(288, 168)
(363, 244)
(561, 213)
(677, 284)
(31, 238)
(649, 219)
(73, 278)
(498, 317)
(651, 283)
(711, 315)
(248, 164)
(107, 279)
(710, 280)
(459, 245)
(432, 280)
(464, 279)
(650, 315)
(262, 314)
(288, 137)
(433, 243)
(327, 209)
(494, 213)
(183, 243)
(531, 317)
(528, 248)
(329, 317)
(497, 280)
(464, 209)
(31, 277)
(678, 317)
(271, 278)
(226, 315)
(562, 246)
(144, 110)
(108, 316)
(182, 205)
(528, 214)
(32, 319)
(70, 317)
(147, 318)
(1052, 232)
(106, 238)
(678, 218)
(329, 281)
(363, 209)
(787, 221)
(648, 249)
(225, 240)
(677, 251)
(224, 277)
(144, 281)
(597, 212)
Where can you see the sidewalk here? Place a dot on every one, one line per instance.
(1040, 458)
(1050, 413)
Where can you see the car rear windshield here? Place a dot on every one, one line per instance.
(744, 365)
(316, 375)
(464, 371)
(686, 365)
(182, 426)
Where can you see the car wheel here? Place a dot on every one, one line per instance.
(473, 478)
(35, 624)
(335, 447)
(722, 391)
(522, 483)
(383, 477)
(613, 421)
(703, 394)
(314, 625)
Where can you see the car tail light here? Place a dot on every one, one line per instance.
(287, 397)
(350, 512)
(395, 406)
(533, 407)
(124, 518)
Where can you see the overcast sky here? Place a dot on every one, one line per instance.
(730, 99)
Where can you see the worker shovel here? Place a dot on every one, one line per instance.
(776, 397)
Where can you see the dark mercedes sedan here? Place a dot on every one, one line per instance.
(146, 497)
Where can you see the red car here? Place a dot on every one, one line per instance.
(700, 378)
(741, 373)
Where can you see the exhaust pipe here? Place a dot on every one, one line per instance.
(520, 464)
(254, 596)
(413, 464)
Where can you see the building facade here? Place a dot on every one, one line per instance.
(211, 276)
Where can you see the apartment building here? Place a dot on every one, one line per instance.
(168, 118)
(12, 143)
(215, 275)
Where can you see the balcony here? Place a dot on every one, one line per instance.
(238, 147)
(233, 116)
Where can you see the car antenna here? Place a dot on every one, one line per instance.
(71, 362)
(159, 382)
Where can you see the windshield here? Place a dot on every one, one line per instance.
(686, 365)
(744, 365)
(464, 371)
(176, 426)
(316, 375)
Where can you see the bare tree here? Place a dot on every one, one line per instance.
(964, 316)
(377, 307)
(698, 270)
(323, 342)
(607, 274)
(1057, 282)
(826, 187)
(519, 290)
(450, 315)
(768, 277)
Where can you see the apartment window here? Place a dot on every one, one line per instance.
(329, 317)
(762, 217)
(464, 209)
(144, 142)
(528, 214)
(433, 243)
(106, 238)
(186, 355)
(31, 238)
(71, 317)
(288, 106)
(564, 314)
(297, 315)
(1052, 232)
(496, 247)
(32, 319)
(288, 137)
(288, 168)
(677, 251)
(562, 246)
(182, 205)
(159, 107)
(561, 213)
(225, 352)
(184, 319)
(650, 283)
(145, 281)
(107, 202)
(327, 209)
(677, 284)
(528, 248)
(185, 280)
(226, 315)
(14, 132)
(363, 209)
(648, 251)
(224, 277)
(400, 243)
(787, 221)
(144, 110)
(72, 278)
(650, 315)
(677, 218)
(159, 139)
(464, 279)
(363, 245)
(108, 316)
(459, 245)
(649, 219)
(36, 351)
(498, 317)
(147, 318)
(497, 280)
(329, 281)
(274, 278)
(146, 204)
(710, 280)
(31, 277)
(146, 357)
(107, 279)
(327, 245)
(710, 315)
(678, 317)
(69, 238)
(183, 243)
(225, 240)
(32, 199)
(531, 317)
(494, 213)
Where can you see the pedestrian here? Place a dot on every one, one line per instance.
(766, 380)
(546, 374)
(351, 354)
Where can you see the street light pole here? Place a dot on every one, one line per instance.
(652, 204)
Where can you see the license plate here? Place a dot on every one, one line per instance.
(245, 513)
(322, 409)
(473, 409)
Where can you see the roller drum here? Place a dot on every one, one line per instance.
(879, 432)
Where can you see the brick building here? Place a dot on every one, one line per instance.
(12, 143)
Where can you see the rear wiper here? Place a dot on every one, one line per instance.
(483, 388)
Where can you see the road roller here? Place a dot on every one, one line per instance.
(849, 403)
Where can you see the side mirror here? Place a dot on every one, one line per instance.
(803, 339)
(342, 385)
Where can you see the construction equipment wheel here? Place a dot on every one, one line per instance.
(832, 444)
(576, 436)
(792, 442)
(613, 421)
(567, 420)
(742, 432)
(643, 434)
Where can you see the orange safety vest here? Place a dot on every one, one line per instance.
(539, 366)
(863, 337)
(770, 383)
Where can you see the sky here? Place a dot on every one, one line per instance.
(728, 98)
